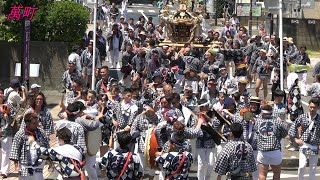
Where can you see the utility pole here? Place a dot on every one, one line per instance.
(93, 80)
(216, 13)
(250, 19)
(271, 24)
(300, 9)
(281, 44)
(25, 60)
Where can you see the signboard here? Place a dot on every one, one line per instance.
(34, 70)
(210, 6)
(308, 4)
(243, 9)
(92, 3)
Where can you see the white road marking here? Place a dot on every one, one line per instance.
(152, 11)
(287, 176)
(305, 103)
(129, 10)
(139, 5)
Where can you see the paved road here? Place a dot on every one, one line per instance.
(285, 174)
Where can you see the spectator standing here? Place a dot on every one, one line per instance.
(75, 57)
(114, 11)
(115, 40)
(87, 61)
(70, 75)
(101, 45)
(14, 99)
(234, 21)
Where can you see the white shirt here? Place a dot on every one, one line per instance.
(14, 97)
(218, 106)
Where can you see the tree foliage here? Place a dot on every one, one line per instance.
(54, 21)
(66, 21)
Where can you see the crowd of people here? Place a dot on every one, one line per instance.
(186, 103)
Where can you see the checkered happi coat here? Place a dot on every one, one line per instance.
(309, 135)
(20, 145)
(169, 162)
(206, 141)
(67, 168)
(21, 148)
(164, 130)
(140, 125)
(236, 159)
(67, 78)
(78, 136)
(294, 100)
(6, 123)
(113, 162)
(124, 117)
(269, 133)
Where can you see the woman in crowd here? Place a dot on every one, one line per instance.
(39, 106)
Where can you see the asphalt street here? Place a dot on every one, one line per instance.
(285, 174)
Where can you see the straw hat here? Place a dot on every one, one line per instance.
(243, 80)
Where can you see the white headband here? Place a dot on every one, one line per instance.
(73, 113)
(61, 125)
(266, 111)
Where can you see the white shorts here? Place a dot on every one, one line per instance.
(269, 157)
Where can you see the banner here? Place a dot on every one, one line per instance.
(298, 68)
(243, 9)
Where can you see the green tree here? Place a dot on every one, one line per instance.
(221, 4)
(66, 21)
